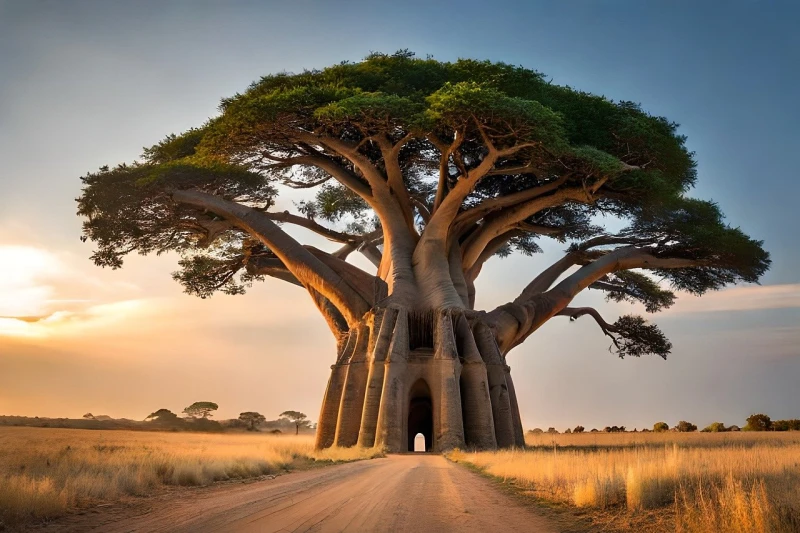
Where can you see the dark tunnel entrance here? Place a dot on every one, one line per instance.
(420, 415)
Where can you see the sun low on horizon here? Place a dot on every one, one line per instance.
(44, 296)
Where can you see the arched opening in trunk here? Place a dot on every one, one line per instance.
(420, 415)
(419, 443)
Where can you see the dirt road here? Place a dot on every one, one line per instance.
(418, 493)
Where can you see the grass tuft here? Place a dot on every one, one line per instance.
(45, 472)
(696, 483)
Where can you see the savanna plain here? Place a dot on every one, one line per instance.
(47, 472)
(684, 482)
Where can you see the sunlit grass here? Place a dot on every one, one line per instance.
(743, 482)
(44, 472)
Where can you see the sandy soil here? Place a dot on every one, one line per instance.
(412, 492)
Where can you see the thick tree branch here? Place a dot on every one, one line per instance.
(547, 277)
(474, 214)
(274, 267)
(314, 226)
(576, 312)
(307, 268)
(391, 160)
(507, 219)
(626, 258)
(446, 151)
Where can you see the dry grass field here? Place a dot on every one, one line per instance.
(44, 472)
(684, 482)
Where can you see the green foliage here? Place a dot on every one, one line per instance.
(636, 337)
(660, 427)
(685, 427)
(252, 419)
(201, 409)
(240, 155)
(578, 429)
(694, 229)
(786, 425)
(333, 202)
(758, 422)
(596, 161)
(716, 427)
(632, 286)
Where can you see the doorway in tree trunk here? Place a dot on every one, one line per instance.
(403, 372)
(420, 415)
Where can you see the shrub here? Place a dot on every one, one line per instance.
(660, 427)
(759, 422)
(685, 427)
(786, 425)
(716, 427)
(578, 429)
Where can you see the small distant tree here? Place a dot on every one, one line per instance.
(716, 427)
(276, 431)
(552, 430)
(252, 419)
(594, 430)
(88, 416)
(578, 429)
(536, 431)
(568, 430)
(660, 427)
(201, 409)
(297, 418)
(162, 415)
(685, 427)
(734, 428)
(758, 422)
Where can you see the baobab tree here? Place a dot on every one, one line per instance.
(428, 169)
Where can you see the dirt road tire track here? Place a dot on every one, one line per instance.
(399, 493)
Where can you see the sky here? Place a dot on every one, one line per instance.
(89, 83)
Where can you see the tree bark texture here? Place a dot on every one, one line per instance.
(402, 372)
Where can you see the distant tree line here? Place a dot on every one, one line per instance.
(196, 417)
(756, 422)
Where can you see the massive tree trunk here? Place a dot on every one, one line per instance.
(402, 372)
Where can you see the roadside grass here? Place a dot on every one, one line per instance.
(731, 482)
(45, 472)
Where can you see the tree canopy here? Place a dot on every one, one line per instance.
(252, 419)
(297, 418)
(201, 409)
(428, 169)
(163, 415)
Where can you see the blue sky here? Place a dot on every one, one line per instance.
(90, 83)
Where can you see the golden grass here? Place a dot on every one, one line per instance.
(726, 482)
(44, 472)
